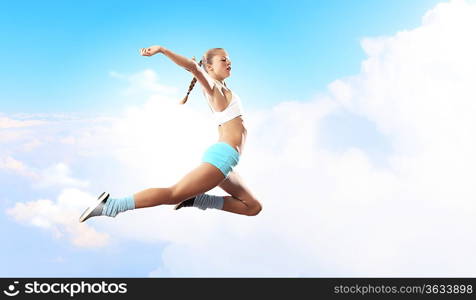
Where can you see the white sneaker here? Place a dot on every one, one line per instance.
(96, 209)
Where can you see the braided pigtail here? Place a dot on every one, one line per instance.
(192, 84)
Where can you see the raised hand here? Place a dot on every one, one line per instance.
(152, 50)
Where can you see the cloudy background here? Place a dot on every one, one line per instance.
(369, 174)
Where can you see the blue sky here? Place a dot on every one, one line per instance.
(58, 56)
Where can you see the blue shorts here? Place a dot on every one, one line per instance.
(222, 156)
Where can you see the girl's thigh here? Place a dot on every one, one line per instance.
(198, 181)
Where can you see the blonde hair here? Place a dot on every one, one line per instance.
(206, 59)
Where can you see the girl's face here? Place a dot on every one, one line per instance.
(221, 65)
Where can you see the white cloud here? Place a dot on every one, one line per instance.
(61, 218)
(145, 81)
(6, 123)
(32, 145)
(58, 174)
(326, 213)
(16, 166)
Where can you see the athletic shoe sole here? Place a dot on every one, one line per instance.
(186, 203)
(100, 202)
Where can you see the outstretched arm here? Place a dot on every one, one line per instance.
(187, 63)
(180, 60)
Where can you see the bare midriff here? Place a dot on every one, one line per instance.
(233, 133)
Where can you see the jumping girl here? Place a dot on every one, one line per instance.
(218, 160)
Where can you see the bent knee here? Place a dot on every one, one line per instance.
(254, 209)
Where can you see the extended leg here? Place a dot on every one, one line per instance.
(198, 181)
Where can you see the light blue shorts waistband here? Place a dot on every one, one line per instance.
(223, 156)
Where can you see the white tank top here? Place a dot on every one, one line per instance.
(233, 110)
